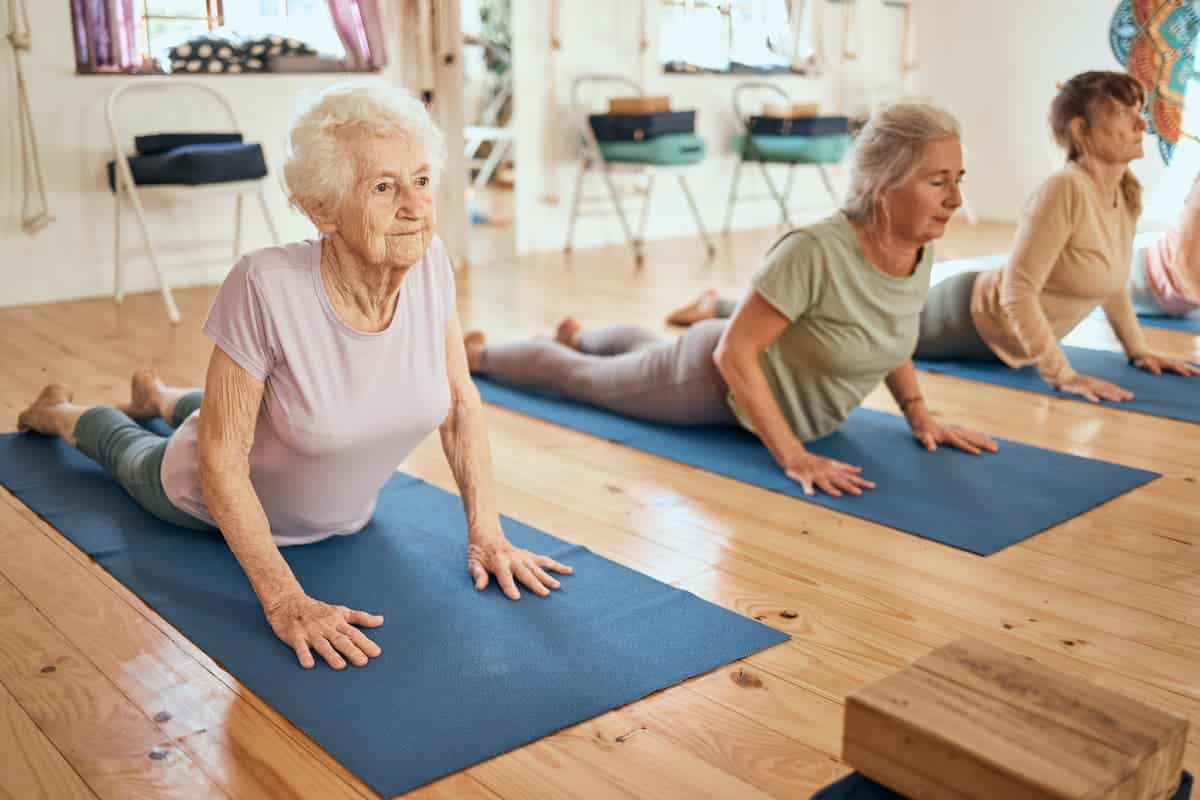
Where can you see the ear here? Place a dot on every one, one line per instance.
(1079, 129)
(322, 218)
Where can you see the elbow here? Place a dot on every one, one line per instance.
(218, 463)
(733, 361)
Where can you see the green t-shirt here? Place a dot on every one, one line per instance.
(851, 324)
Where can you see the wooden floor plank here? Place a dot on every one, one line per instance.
(33, 769)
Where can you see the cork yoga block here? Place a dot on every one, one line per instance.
(970, 720)
(792, 111)
(638, 105)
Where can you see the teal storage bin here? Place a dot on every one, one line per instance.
(671, 149)
(795, 149)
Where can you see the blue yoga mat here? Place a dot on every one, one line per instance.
(1171, 396)
(981, 504)
(856, 786)
(464, 676)
(1190, 323)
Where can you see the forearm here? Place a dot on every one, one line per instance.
(902, 383)
(746, 379)
(1121, 316)
(235, 506)
(1021, 305)
(465, 443)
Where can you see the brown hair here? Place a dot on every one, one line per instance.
(1083, 96)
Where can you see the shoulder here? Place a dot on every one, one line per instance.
(269, 267)
(813, 242)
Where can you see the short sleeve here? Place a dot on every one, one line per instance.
(788, 277)
(238, 322)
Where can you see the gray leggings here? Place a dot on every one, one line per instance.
(625, 369)
(133, 455)
(947, 330)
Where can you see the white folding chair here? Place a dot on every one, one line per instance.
(746, 153)
(500, 136)
(592, 156)
(124, 185)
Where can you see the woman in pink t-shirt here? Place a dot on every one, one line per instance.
(1164, 280)
(333, 359)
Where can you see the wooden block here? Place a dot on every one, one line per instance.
(970, 720)
(793, 111)
(638, 105)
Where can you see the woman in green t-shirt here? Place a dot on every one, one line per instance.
(835, 310)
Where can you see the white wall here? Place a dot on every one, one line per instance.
(603, 37)
(73, 257)
(996, 65)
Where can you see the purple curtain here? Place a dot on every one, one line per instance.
(361, 31)
(105, 34)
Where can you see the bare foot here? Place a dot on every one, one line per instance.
(474, 341)
(567, 332)
(145, 395)
(702, 308)
(40, 416)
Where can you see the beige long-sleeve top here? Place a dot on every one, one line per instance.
(1072, 253)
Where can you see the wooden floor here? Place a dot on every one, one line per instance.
(99, 697)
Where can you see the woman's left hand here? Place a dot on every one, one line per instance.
(493, 554)
(1160, 364)
(930, 433)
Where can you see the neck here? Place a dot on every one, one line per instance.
(366, 292)
(1106, 174)
(889, 253)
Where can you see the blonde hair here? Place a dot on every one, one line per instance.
(888, 151)
(316, 171)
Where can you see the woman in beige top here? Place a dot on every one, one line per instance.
(1072, 252)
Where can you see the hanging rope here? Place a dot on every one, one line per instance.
(425, 49)
(19, 37)
(908, 34)
(550, 128)
(850, 32)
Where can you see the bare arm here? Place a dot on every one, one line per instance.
(902, 383)
(465, 443)
(231, 402)
(465, 440)
(755, 325)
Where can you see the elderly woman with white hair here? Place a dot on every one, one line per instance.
(834, 309)
(333, 359)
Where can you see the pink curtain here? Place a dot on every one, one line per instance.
(361, 31)
(105, 35)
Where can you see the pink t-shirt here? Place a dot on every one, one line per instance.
(1168, 277)
(341, 408)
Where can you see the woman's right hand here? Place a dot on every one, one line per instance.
(303, 622)
(831, 477)
(1095, 389)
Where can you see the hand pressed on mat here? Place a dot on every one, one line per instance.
(494, 554)
(1095, 389)
(830, 476)
(303, 622)
(1160, 364)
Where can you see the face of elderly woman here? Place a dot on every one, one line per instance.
(920, 207)
(387, 216)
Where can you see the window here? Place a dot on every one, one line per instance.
(138, 35)
(705, 36)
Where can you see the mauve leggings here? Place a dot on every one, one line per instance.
(626, 369)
